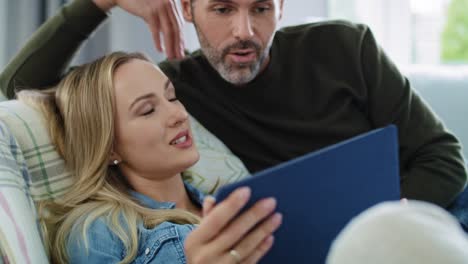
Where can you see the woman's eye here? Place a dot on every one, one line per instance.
(173, 99)
(150, 111)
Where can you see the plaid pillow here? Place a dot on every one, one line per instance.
(48, 176)
(20, 241)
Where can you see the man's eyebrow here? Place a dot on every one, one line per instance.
(221, 1)
(139, 98)
(230, 1)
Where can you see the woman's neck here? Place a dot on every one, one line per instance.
(171, 189)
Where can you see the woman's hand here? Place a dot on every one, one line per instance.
(224, 237)
(162, 17)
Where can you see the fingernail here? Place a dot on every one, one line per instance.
(270, 239)
(210, 199)
(269, 203)
(243, 193)
(277, 218)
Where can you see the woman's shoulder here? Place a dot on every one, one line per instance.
(163, 244)
(94, 242)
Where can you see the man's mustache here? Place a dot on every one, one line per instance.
(243, 44)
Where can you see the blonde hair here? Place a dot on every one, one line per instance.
(80, 115)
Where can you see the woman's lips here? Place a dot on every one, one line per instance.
(183, 140)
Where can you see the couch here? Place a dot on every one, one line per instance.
(31, 170)
(445, 89)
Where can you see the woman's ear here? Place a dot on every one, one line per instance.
(187, 10)
(114, 159)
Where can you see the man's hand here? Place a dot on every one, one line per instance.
(162, 17)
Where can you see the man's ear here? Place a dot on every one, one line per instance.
(280, 16)
(187, 10)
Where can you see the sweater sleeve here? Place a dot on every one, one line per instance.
(431, 164)
(46, 55)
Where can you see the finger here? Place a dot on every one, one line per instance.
(181, 35)
(243, 224)
(155, 29)
(168, 33)
(221, 215)
(208, 205)
(254, 239)
(176, 27)
(260, 251)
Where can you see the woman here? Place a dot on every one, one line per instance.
(121, 130)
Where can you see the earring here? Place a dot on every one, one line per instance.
(116, 162)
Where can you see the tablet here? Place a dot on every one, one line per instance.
(319, 193)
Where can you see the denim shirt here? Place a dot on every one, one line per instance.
(161, 244)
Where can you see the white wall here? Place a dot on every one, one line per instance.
(303, 11)
(3, 33)
(130, 33)
(19, 19)
(390, 21)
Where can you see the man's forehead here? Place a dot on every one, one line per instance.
(239, 1)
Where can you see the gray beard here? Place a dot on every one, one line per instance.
(236, 74)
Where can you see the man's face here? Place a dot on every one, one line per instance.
(235, 35)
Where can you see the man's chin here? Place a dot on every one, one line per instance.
(239, 79)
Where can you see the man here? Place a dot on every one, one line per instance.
(269, 95)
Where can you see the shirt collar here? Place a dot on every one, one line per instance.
(194, 194)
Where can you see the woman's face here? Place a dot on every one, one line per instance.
(152, 131)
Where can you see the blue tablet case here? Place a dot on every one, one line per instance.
(320, 192)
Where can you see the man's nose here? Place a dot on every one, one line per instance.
(242, 26)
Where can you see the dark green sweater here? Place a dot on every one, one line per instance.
(326, 82)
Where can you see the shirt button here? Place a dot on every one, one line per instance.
(147, 250)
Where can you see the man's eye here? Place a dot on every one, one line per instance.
(173, 99)
(260, 10)
(149, 112)
(222, 10)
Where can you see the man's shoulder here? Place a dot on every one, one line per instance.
(172, 68)
(338, 35)
(332, 26)
(335, 29)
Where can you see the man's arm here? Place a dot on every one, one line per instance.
(43, 59)
(431, 164)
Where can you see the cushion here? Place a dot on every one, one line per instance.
(392, 232)
(217, 165)
(20, 241)
(49, 178)
(31, 170)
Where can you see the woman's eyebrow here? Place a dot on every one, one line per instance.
(139, 98)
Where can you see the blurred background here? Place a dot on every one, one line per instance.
(427, 39)
(413, 32)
